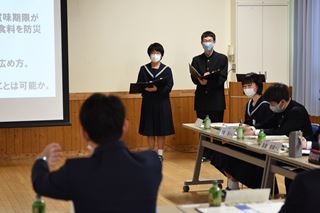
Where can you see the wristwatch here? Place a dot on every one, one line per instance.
(42, 158)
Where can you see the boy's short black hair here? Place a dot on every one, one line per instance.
(155, 47)
(208, 34)
(253, 78)
(102, 117)
(276, 93)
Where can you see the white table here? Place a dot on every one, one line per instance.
(267, 160)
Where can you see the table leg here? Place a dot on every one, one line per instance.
(196, 172)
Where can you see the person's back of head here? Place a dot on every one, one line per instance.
(276, 93)
(102, 118)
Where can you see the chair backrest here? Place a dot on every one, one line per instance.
(315, 128)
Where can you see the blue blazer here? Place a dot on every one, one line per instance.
(112, 180)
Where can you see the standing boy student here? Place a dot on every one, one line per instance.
(209, 95)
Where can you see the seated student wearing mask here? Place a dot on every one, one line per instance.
(290, 115)
(112, 179)
(257, 114)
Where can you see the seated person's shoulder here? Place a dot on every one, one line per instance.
(148, 154)
(310, 175)
(299, 109)
(77, 162)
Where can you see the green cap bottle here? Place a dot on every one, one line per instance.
(240, 131)
(207, 122)
(215, 194)
(38, 205)
(261, 136)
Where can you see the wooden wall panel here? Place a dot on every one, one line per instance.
(21, 142)
(25, 142)
(237, 102)
(315, 119)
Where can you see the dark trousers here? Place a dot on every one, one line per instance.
(215, 116)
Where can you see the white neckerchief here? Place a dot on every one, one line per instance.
(256, 108)
(150, 73)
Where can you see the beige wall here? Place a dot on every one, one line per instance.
(108, 39)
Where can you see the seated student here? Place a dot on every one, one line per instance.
(257, 114)
(302, 194)
(112, 179)
(290, 115)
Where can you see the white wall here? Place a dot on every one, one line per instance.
(108, 39)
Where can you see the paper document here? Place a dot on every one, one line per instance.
(265, 207)
(140, 86)
(195, 73)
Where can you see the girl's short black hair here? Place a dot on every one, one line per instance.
(155, 47)
(253, 78)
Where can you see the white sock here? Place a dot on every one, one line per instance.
(233, 185)
(160, 152)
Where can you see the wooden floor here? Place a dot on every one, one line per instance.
(16, 194)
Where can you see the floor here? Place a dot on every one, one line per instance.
(16, 194)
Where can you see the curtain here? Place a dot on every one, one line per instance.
(306, 56)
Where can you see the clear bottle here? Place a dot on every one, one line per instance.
(240, 131)
(38, 205)
(207, 122)
(215, 194)
(261, 136)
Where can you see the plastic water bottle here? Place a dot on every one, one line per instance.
(261, 136)
(207, 122)
(38, 205)
(240, 131)
(215, 194)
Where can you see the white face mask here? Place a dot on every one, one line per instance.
(249, 92)
(276, 109)
(155, 57)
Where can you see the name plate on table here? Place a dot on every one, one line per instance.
(227, 131)
(247, 196)
(272, 146)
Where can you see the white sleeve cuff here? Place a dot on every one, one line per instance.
(256, 132)
(309, 144)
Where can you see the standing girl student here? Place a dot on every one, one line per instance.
(156, 116)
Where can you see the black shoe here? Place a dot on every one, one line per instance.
(160, 158)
